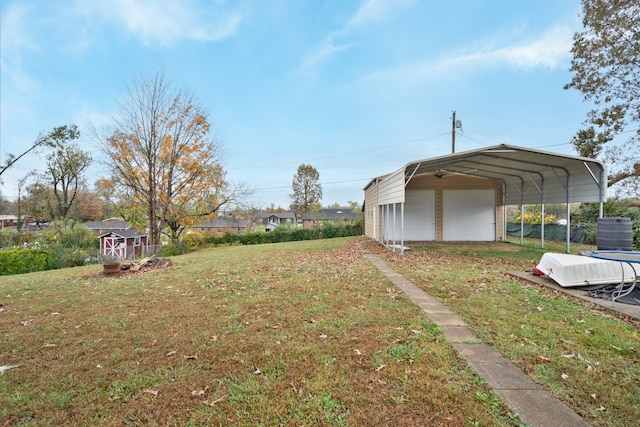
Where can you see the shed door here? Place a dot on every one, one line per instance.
(419, 216)
(469, 215)
(112, 247)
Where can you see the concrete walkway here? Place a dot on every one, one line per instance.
(535, 405)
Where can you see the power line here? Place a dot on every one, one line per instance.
(342, 154)
(322, 183)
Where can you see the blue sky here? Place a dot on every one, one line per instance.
(356, 88)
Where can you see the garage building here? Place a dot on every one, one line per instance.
(463, 196)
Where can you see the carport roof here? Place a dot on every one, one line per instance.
(527, 176)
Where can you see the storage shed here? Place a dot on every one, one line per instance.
(463, 196)
(123, 244)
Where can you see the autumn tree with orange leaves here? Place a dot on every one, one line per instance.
(162, 159)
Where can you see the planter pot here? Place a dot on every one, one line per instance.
(111, 268)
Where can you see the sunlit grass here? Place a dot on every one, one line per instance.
(583, 353)
(301, 333)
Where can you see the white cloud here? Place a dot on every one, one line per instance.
(166, 22)
(376, 11)
(550, 50)
(324, 53)
(15, 39)
(370, 12)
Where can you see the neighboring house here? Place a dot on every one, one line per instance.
(462, 196)
(124, 244)
(8, 221)
(329, 216)
(278, 218)
(107, 225)
(221, 225)
(272, 220)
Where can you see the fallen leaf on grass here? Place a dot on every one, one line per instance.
(6, 367)
(149, 391)
(380, 368)
(601, 409)
(199, 393)
(564, 376)
(171, 353)
(544, 359)
(358, 352)
(213, 402)
(187, 357)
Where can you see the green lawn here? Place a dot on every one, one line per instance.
(305, 333)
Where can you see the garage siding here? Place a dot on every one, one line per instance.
(432, 212)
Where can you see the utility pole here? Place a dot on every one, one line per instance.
(453, 133)
(454, 124)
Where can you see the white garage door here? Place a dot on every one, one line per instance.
(469, 215)
(419, 217)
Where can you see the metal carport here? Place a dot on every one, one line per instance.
(526, 176)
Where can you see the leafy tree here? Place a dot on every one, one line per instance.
(120, 202)
(307, 190)
(88, 206)
(55, 137)
(354, 206)
(64, 174)
(6, 206)
(37, 202)
(606, 70)
(162, 157)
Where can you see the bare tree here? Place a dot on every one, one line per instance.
(160, 154)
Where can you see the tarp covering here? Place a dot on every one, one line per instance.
(551, 232)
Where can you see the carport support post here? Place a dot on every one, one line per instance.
(542, 200)
(386, 228)
(568, 213)
(394, 227)
(402, 228)
(542, 225)
(522, 223)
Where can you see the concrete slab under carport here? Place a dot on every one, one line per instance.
(630, 310)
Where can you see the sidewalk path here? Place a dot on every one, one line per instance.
(535, 405)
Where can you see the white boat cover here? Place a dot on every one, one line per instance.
(577, 270)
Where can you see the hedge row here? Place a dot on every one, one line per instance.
(285, 234)
(281, 234)
(20, 261)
